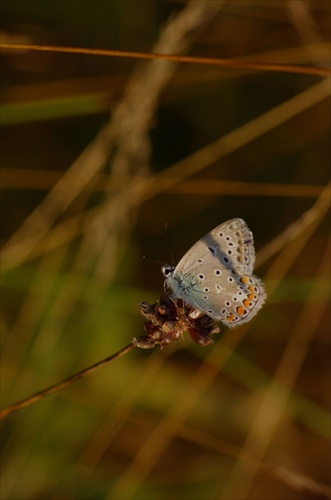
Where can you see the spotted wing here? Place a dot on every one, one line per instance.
(215, 275)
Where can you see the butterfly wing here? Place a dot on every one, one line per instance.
(231, 243)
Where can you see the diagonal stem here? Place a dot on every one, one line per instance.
(5, 412)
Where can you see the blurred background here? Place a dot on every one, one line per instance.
(97, 153)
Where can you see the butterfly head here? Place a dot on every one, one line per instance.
(170, 284)
(167, 270)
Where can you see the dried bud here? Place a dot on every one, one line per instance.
(168, 319)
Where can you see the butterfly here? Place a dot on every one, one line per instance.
(215, 277)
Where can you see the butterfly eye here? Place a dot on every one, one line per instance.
(167, 270)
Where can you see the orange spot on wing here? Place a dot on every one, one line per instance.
(244, 280)
(240, 310)
(247, 302)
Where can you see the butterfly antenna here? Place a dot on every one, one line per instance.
(153, 260)
(170, 244)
